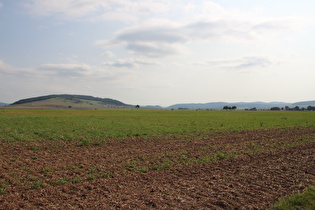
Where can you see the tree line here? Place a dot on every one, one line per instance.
(296, 108)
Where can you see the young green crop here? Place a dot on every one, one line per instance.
(95, 126)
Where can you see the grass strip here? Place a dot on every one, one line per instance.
(305, 200)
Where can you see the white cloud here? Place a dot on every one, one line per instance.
(252, 61)
(239, 30)
(151, 34)
(67, 70)
(65, 8)
(123, 10)
(241, 63)
(48, 70)
(130, 63)
(133, 11)
(161, 28)
(141, 11)
(7, 69)
(171, 38)
(147, 40)
(108, 54)
(72, 71)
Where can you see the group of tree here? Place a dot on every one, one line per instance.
(296, 108)
(229, 107)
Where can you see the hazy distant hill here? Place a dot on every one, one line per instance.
(152, 107)
(304, 103)
(3, 104)
(240, 105)
(69, 101)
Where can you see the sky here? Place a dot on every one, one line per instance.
(158, 52)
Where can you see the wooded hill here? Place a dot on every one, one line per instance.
(69, 101)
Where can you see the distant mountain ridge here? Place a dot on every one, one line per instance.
(304, 103)
(3, 104)
(240, 105)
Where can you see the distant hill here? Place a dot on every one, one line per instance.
(240, 105)
(152, 107)
(304, 103)
(3, 104)
(69, 101)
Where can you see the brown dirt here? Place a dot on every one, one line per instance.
(231, 170)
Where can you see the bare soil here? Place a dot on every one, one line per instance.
(227, 170)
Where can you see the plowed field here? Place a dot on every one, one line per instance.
(221, 170)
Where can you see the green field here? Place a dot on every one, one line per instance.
(68, 148)
(99, 125)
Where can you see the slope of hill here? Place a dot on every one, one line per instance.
(69, 101)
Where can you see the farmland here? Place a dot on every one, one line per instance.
(153, 159)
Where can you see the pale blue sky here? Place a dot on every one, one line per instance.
(161, 52)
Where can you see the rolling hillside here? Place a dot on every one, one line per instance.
(70, 102)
